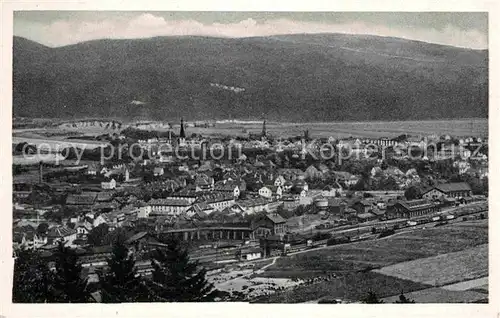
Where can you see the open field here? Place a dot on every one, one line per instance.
(351, 287)
(354, 129)
(402, 247)
(464, 127)
(443, 269)
(440, 295)
(473, 284)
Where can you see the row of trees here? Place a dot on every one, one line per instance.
(175, 278)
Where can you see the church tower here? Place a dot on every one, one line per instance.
(182, 134)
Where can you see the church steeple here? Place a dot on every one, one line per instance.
(182, 134)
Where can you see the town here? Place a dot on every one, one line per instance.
(240, 204)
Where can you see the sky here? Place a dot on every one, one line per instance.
(59, 28)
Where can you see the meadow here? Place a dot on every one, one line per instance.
(443, 269)
(367, 255)
(375, 129)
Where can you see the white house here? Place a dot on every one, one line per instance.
(265, 192)
(279, 181)
(251, 254)
(158, 171)
(144, 211)
(109, 185)
(268, 191)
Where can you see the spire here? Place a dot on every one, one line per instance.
(182, 134)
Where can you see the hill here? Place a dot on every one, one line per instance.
(317, 77)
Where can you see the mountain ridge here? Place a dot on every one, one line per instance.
(299, 80)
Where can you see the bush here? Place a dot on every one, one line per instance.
(387, 232)
(338, 240)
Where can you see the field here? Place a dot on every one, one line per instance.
(443, 269)
(351, 129)
(465, 127)
(351, 287)
(440, 295)
(402, 247)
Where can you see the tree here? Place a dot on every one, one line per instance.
(42, 228)
(177, 278)
(413, 193)
(69, 286)
(32, 279)
(97, 234)
(121, 282)
(372, 298)
(404, 300)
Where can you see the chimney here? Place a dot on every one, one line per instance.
(40, 171)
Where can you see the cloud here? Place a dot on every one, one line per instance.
(137, 102)
(66, 32)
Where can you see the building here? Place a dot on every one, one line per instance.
(62, 234)
(158, 171)
(409, 209)
(81, 200)
(108, 185)
(251, 206)
(269, 191)
(270, 224)
(249, 254)
(204, 183)
(362, 206)
(451, 190)
(169, 206)
(228, 186)
(217, 200)
(290, 202)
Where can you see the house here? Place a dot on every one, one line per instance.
(249, 254)
(451, 190)
(62, 234)
(269, 224)
(279, 181)
(204, 183)
(266, 192)
(112, 219)
(81, 200)
(158, 171)
(312, 173)
(228, 186)
(92, 169)
(270, 191)
(144, 211)
(201, 209)
(217, 200)
(251, 206)
(366, 217)
(335, 189)
(345, 178)
(409, 209)
(83, 229)
(27, 237)
(108, 185)
(336, 206)
(362, 206)
(290, 202)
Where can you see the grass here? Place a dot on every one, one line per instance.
(351, 286)
(443, 269)
(440, 295)
(401, 247)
